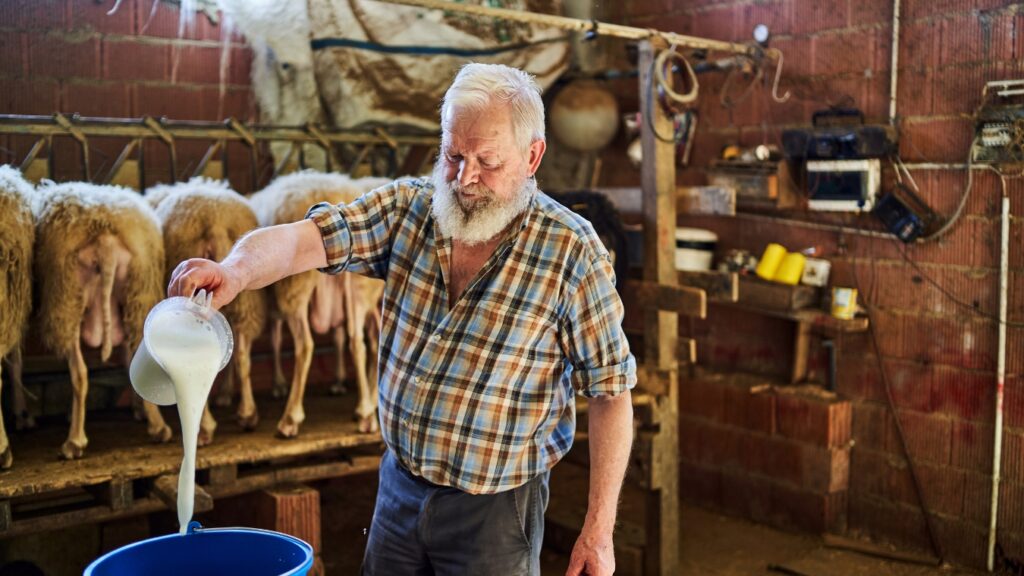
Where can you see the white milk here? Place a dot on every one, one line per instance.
(188, 348)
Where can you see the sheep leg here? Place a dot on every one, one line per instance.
(207, 427)
(156, 427)
(280, 387)
(23, 419)
(367, 407)
(248, 417)
(298, 324)
(74, 447)
(226, 391)
(6, 458)
(340, 345)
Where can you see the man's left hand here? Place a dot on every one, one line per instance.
(593, 555)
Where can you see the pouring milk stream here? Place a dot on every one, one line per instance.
(185, 344)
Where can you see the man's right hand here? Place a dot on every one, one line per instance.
(195, 273)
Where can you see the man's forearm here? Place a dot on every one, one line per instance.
(611, 438)
(267, 255)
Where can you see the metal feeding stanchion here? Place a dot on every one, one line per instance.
(220, 134)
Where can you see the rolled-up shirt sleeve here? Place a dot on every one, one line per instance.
(592, 337)
(357, 235)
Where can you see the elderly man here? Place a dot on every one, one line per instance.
(499, 304)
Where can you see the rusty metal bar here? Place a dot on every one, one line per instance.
(232, 130)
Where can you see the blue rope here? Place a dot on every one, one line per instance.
(322, 43)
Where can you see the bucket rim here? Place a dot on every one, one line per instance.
(307, 563)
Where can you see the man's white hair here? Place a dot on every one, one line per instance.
(477, 86)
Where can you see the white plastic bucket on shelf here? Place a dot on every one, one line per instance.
(695, 248)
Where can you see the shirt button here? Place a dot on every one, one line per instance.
(435, 338)
(405, 422)
(418, 380)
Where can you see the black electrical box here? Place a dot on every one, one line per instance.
(838, 134)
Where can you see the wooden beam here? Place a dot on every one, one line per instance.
(118, 493)
(661, 329)
(801, 351)
(719, 286)
(675, 299)
(166, 489)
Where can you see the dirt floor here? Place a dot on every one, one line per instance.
(710, 544)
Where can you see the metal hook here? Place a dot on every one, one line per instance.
(775, 81)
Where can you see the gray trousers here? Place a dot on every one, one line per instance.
(423, 529)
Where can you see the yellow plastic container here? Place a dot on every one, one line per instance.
(770, 260)
(790, 269)
(844, 303)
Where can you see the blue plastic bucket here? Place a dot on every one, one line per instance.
(215, 552)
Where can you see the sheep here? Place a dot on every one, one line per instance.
(203, 219)
(99, 268)
(18, 233)
(342, 303)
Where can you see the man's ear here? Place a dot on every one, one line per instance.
(536, 152)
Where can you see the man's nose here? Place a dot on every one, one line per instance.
(469, 172)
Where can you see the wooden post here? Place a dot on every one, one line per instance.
(661, 329)
(293, 509)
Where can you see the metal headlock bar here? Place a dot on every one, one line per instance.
(77, 126)
(586, 26)
(45, 128)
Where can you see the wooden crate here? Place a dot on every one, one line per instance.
(757, 293)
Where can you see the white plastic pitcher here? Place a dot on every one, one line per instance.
(148, 376)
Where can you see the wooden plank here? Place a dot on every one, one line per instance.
(91, 515)
(223, 474)
(118, 493)
(5, 515)
(719, 286)
(675, 299)
(166, 489)
(801, 351)
(661, 329)
(260, 481)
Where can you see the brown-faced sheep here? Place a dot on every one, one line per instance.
(99, 266)
(18, 233)
(311, 300)
(203, 219)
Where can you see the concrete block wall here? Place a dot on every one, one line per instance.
(938, 349)
(71, 56)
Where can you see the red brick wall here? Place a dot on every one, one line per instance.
(940, 356)
(70, 56)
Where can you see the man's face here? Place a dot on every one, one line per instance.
(480, 158)
(481, 178)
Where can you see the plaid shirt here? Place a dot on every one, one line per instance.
(479, 397)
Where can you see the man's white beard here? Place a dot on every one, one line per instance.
(478, 220)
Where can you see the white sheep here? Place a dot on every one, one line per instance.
(203, 219)
(99, 268)
(312, 301)
(18, 233)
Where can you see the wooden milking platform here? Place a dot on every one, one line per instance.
(123, 474)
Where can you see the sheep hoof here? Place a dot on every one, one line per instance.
(160, 434)
(287, 428)
(6, 458)
(205, 437)
(248, 423)
(338, 388)
(72, 450)
(222, 400)
(24, 421)
(368, 424)
(279, 391)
